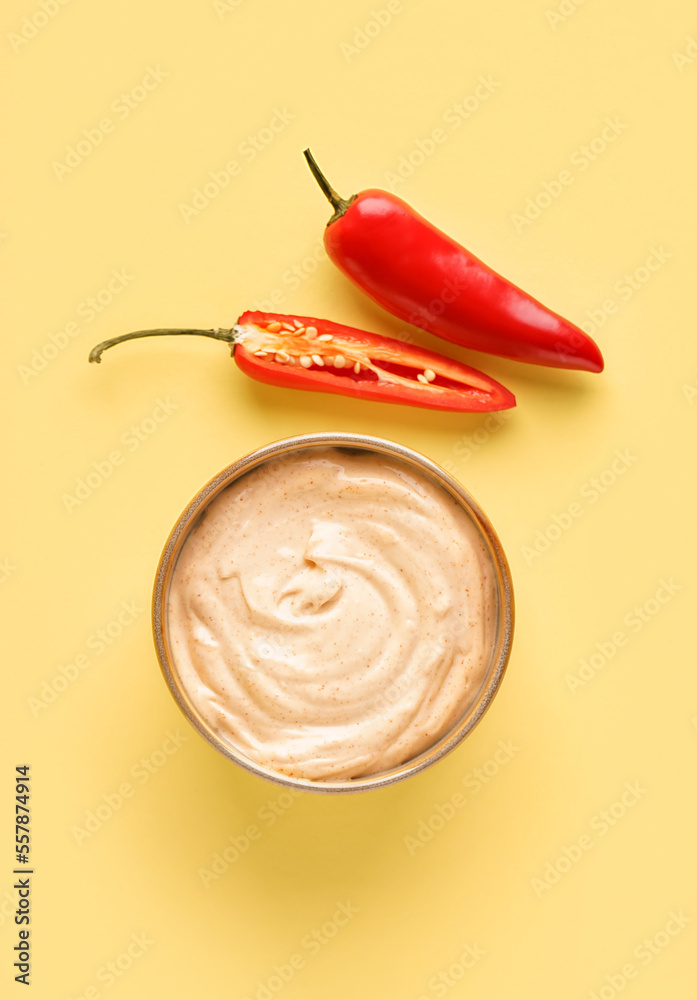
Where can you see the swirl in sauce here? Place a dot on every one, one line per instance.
(332, 614)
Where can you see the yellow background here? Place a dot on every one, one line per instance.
(222, 74)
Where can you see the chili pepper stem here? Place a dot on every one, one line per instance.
(338, 203)
(227, 336)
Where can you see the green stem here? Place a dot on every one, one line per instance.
(228, 336)
(338, 203)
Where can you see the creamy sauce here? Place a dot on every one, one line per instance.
(331, 616)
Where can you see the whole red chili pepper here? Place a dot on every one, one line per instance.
(299, 352)
(424, 277)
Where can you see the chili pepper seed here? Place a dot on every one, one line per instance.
(357, 367)
(311, 332)
(422, 378)
(429, 375)
(339, 361)
(325, 336)
(273, 327)
(305, 361)
(318, 360)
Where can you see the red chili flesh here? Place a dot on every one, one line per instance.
(418, 273)
(304, 353)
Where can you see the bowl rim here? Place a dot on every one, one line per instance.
(503, 584)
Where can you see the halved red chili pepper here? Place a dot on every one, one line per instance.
(424, 277)
(299, 352)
